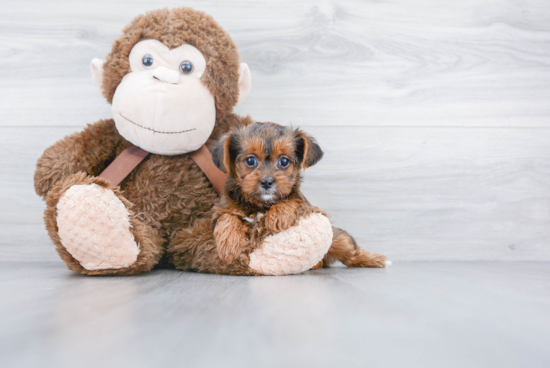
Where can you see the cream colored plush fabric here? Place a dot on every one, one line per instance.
(163, 117)
(294, 250)
(94, 226)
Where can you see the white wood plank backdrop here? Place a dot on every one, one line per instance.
(434, 115)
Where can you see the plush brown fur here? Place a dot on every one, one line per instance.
(164, 194)
(243, 217)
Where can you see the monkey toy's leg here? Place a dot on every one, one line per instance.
(194, 249)
(92, 226)
(95, 231)
(345, 249)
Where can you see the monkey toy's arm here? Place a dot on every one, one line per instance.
(87, 151)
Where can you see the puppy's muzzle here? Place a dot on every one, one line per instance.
(267, 183)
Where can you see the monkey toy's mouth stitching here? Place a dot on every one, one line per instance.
(153, 130)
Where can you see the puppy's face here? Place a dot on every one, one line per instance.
(264, 160)
(267, 167)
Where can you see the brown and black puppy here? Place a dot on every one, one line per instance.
(264, 163)
(262, 197)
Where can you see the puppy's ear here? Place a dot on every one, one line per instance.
(307, 149)
(224, 153)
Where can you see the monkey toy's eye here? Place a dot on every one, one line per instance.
(251, 161)
(186, 67)
(147, 61)
(284, 162)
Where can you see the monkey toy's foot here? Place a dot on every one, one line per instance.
(95, 227)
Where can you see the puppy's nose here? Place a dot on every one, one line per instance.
(267, 183)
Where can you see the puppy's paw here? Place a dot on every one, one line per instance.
(318, 265)
(230, 236)
(277, 223)
(230, 248)
(280, 217)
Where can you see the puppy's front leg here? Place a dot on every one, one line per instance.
(230, 236)
(281, 216)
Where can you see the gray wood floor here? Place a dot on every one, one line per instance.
(418, 314)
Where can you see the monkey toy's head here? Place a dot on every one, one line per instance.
(169, 76)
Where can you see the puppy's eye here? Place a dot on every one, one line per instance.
(147, 61)
(284, 162)
(251, 161)
(186, 67)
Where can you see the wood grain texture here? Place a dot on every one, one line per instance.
(445, 193)
(430, 315)
(350, 62)
(409, 193)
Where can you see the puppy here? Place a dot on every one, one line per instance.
(262, 196)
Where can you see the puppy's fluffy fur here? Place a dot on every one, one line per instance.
(262, 197)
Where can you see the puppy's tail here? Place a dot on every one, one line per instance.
(344, 248)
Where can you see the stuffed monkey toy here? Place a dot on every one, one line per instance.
(120, 192)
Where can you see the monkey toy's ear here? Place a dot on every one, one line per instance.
(96, 67)
(245, 82)
(224, 153)
(307, 149)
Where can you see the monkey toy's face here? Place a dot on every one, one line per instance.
(161, 105)
(164, 99)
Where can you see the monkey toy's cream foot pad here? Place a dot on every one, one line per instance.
(294, 250)
(94, 227)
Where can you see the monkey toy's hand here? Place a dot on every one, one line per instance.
(231, 237)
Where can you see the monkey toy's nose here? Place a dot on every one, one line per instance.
(166, 75)
(267, 183)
